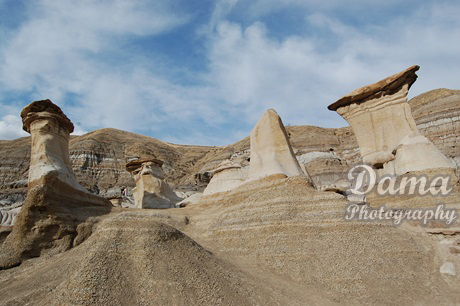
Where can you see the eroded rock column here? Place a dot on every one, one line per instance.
(50, 131)
(386, 132)
(271, 151)
(58, 213)
(151, 190)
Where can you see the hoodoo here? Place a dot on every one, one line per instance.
(386, 132)
(151, 190)
(50, 131)
(57, 208)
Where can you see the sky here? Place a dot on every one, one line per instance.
(203, 72)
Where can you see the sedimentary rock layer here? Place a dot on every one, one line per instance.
(134, 258)
(384, 127)
(437, 114)
(99, 157)
(56, 204)
(284, 226)
(151, 190)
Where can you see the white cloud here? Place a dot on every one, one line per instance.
(55, 46)
(257, 8)
(300, 75)
(68, 47)
(82, 49)
(11, 127)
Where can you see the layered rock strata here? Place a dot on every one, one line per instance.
(437, 115)
(384, 127)
(282, 225)
(151, 190)
(138, 258)
(50, 131)
(99, 158)
(8, 215)
(326, 170)
(56, 205)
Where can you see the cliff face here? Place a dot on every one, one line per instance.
(14, 167)
(99, 157)
(272, 241)
(437, 114)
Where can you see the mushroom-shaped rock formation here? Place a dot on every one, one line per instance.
(50, 130)
(57, 207)
(151, 190)
(386, 132)
(227, 176)
(271, 151)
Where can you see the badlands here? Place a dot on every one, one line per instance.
(115, 218)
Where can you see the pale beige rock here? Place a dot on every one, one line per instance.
(386, 132)
(8, 216)
(325, 170)
(50, 130)
(448, 268)
(271, 151)
(116, 201)
(192, 199)
(227, 176)
(151, 190)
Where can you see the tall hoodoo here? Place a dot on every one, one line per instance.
(50, 130)
(386, 132)
(57, 207)
(271, 151)
(151, 190)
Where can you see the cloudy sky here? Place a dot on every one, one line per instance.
(202, 71)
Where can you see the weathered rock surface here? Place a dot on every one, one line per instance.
(284, 226)
(326, 170)
(227, 176)
(271, 151)
(54, 218)
(8, 215)
(56, 204)
(437, 115)
(192, 199)
(50, 131)
(136, 258)
(271, 241)
(151, 190)
(99, 157)
(385, 129)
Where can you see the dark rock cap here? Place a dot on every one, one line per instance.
(387, 86)
(36, 110)
(136, 164)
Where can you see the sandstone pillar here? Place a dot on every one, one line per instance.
(151, 190)
(50, 130)
(58, 213)
(271, 151)
(386, 132)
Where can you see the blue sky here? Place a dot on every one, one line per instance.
(202, 71)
